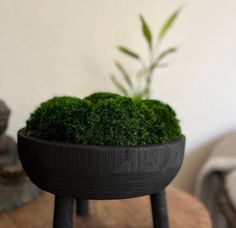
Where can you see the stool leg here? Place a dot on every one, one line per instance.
(159, 210)
(63, 212)
(82, 207)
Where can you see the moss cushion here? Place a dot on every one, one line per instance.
(104, 119)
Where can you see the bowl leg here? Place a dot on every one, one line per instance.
(82, 207)
(63, 212)
(159, 210)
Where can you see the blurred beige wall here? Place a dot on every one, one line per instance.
(57, 47)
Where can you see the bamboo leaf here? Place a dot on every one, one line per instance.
(146, 31)
(154, 66)
(168, 23)
(166, 53)
(128, 52)
(118, 85)
(159, 65)
(124, 74)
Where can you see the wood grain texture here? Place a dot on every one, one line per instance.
(184, 212)
(100, 172)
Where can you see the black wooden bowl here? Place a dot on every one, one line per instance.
(99, 172)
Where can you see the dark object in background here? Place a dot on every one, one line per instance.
(15, 187)
(100, 172)
(4, 115)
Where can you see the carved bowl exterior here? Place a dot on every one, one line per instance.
(100, 172)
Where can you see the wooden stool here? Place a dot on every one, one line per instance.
(63, 211)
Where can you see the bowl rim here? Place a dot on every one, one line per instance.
(21, 134)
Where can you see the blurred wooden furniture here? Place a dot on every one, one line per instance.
(184, 212)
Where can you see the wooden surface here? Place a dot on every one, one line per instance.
(184, 212)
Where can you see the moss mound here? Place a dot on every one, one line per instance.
(100, 96)
(120, 121)
(165, 126)
(60, 119)
(104, 119)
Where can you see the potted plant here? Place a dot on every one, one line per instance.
(104, 146)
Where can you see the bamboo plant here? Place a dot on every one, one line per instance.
(139, 85)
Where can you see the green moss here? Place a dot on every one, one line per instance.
(104, 119)
(165, 126)
(120, 121)
(60, 119)
(100, 96)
